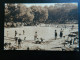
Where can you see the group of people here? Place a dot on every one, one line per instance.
(8, 46)
(18, 39)
(41, 39)
(16, 32)
(61, 34)
(36, 36)
(37, 39)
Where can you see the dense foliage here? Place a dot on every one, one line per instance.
(59, 13)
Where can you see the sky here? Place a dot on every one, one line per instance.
(40, 4)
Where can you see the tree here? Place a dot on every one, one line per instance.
(40, 13)
(25, 13)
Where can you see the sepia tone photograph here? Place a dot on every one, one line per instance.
(41, 26)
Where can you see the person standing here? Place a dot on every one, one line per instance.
(55, 34)
(19, 43)
(35, 36)
(15, 32)
(72, 27)
(61, 33)
(7, 33)
(23, 32)
(16, 38)
(71, 42)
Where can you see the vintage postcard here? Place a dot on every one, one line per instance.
(41, 26)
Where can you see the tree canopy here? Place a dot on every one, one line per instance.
(59, 13)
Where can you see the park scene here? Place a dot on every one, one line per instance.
(44, 27)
